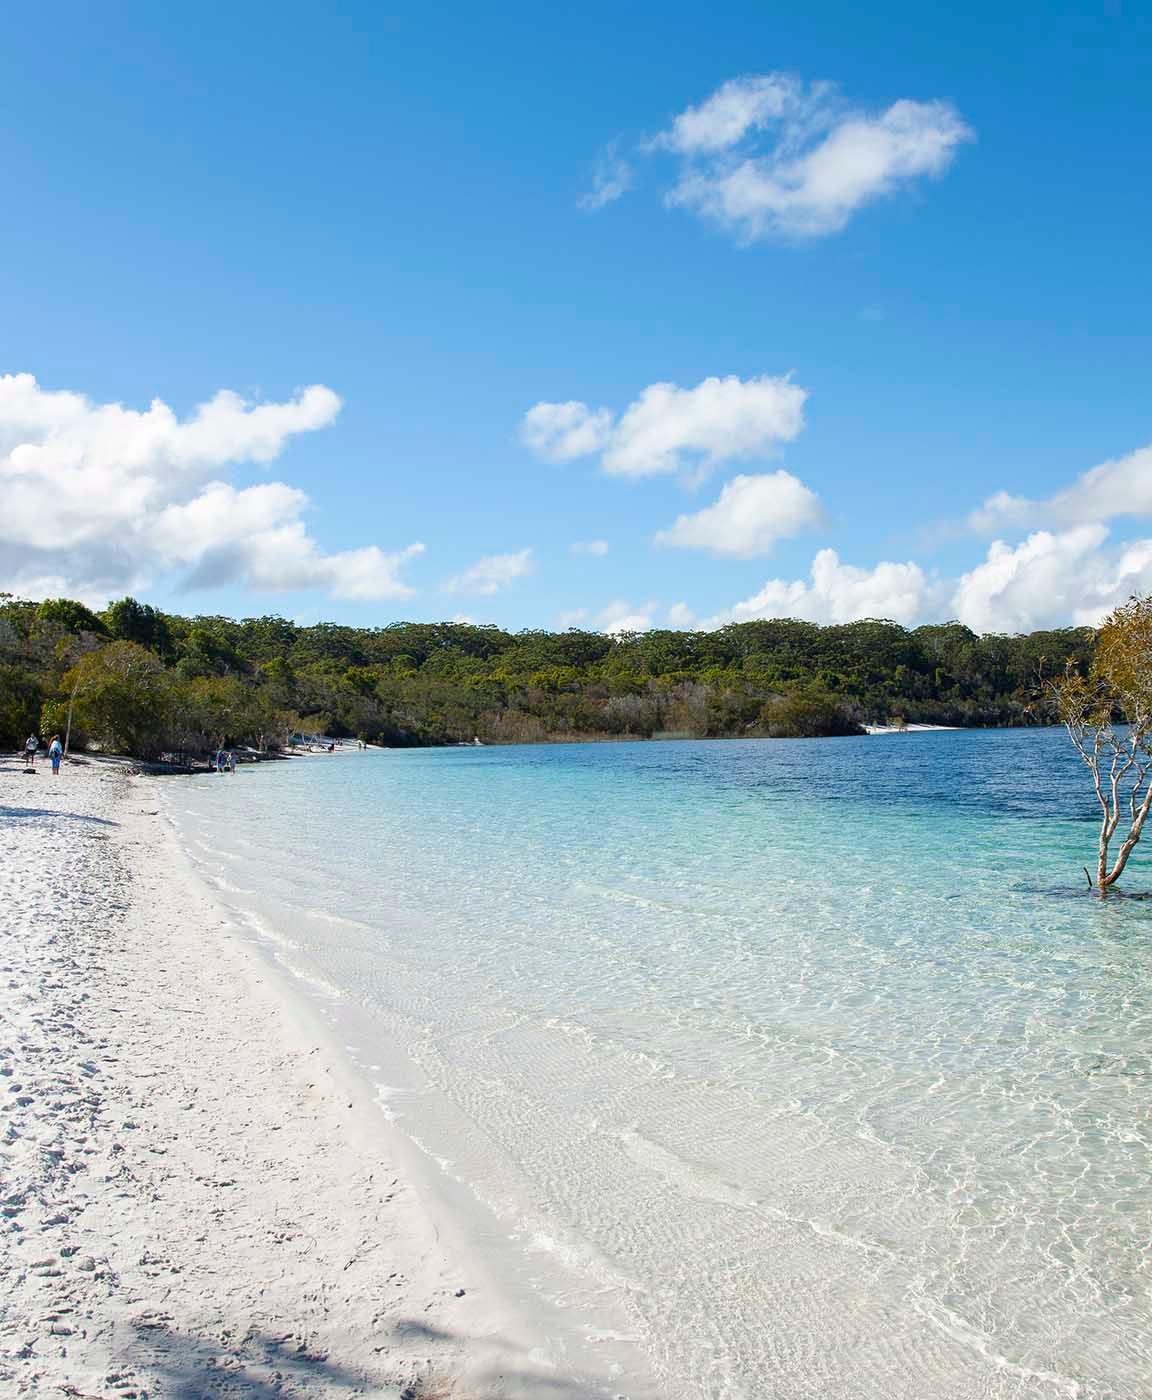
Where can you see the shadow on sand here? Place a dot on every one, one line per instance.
(17, 812)
(256, 1366)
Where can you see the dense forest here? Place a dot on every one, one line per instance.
(146, 682)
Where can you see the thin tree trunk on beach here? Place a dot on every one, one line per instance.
(68, 725)
(1119, 758)
(1139, 818)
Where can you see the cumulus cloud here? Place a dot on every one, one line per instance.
(668, 429)
(99, 497)
(736, 107)
(619, 616)
(837, 592)
(612, 176)
(1052, 579)
(1112, 489)
(559, 432)
(595, 547)
(750, 516)
(492, 573)
(817, 191)
(769, 155)
(1049, 580)
(622, 616)
(284, 559)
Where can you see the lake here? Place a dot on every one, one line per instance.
(786, 1068)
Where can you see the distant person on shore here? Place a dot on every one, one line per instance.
(31, 744)
(56, 753)
(231, 760)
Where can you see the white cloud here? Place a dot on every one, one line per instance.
(492, 573)
(751, 514)
(119, 494)
(558, 432)
(17, 577)
(612, 176)
(768, 155)
(285, 559)
(839, 592)
(1051, 580)
(735, 108)
(669, 429)
(596, 547)
(1112, 489)
(621, 616)
(681, 616)
(718, 420)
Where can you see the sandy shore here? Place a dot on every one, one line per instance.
(198, 1199)
(909, 728)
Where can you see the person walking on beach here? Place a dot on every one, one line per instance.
(31, 744)
(55, 753)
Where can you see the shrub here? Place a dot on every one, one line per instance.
(807, 717)
(123, 698)
(20, 697)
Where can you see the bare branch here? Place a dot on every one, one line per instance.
(1119, 686)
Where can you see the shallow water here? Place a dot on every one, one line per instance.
(808, 1066)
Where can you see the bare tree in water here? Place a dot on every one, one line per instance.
(1108, 716)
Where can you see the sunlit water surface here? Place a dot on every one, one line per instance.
(807, 1066)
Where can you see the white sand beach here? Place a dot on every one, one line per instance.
(197, 1199)
(909, 728)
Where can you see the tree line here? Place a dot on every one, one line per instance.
(142, 681)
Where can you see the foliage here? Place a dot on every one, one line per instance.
(123, 698)
(223, 680)
(20, 697)
(54, 720)
(69, 616)
(807, 717)
(130, 621)
(1107, 710)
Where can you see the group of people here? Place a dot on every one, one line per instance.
(225, 761)
(32, 748)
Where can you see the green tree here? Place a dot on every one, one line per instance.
(123, 698)
(807, 717)
(69, 616)
(130, 621)
(20, 699)
(1107, 711)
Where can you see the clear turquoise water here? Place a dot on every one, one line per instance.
(807, 1065)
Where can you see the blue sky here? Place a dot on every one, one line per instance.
(393, 203)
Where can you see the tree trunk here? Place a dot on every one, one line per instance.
(1107, 831)
(68, 726)
(1130, 842)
